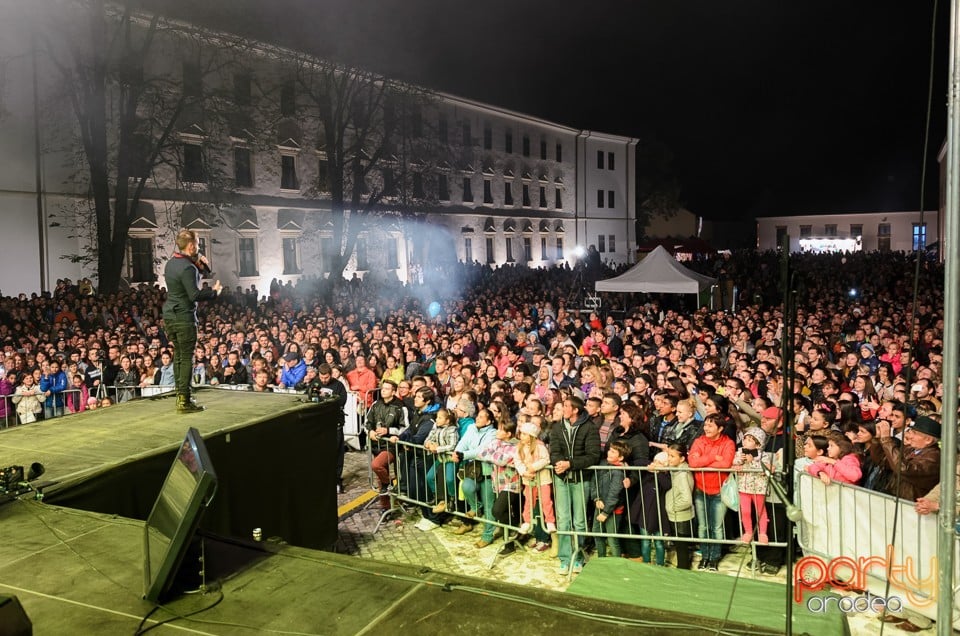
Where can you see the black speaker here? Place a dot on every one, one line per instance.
(13, 620)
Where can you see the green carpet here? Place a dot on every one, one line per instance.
(704, 594)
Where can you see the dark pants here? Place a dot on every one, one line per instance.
(341, 451)
(507, 508)
(771, 555)
(183, 335)
(684, 548)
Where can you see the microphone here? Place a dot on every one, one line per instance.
(203, 266)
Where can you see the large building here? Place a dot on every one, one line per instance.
(866, 231)
(246, 162)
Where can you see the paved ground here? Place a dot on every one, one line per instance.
(397, 540)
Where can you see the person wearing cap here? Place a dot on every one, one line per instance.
(868, 357)
(918, 461)
(294, 370)
(182, 275)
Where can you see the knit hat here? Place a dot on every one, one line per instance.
(291, 356)
(756, 433)
(530, 428)
(867, 346)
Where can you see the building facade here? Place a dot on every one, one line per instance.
(247, 166)
(866, 231)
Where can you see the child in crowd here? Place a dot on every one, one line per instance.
(78, 395)
(686, 428)
(531, 462)
(679, 503)
(441, 441)
(610, 499)
(752, 484)
(502, 452)
(840, 463)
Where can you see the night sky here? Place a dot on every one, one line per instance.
(767, 107)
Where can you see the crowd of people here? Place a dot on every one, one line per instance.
(541, 414)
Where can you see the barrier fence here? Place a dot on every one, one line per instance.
(497, 498)
(846, 535)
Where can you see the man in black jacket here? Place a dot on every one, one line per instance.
(385, 418)
(182, 276)
(574, 446)
(326, 387)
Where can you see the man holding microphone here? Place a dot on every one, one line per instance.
(182, 274)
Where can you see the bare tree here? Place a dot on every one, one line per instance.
(658, 191)
(132, 121)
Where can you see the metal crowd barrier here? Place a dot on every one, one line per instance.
(420, 478)
(845, 536)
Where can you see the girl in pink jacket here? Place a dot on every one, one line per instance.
(841, 463)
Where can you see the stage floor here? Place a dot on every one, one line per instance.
(78, 572)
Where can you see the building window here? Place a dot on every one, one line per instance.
(242, 93)
(141, 260)
(558, 201)
(288, 99)
(291, 264)
(781, 236)
(883, 237)
(610, 199)
(543, 149)
(543, 196)
(487, 192)
(193, 164)
(443, 190)
(192, 80)
(242, 168)
(363, 261)
(507, 193)
(417, 185)
(393, 257)
(491, 254)
(323, 179)
(487, 137)
(559, 248)
(806, 231)
(543, 248)
(526, 195)
(467, 190)
(609, 161)
(599, 198)
(442, 129)
(527, 249)
(247, 250)
(601, 243)
(508, 141)
(856, 230)
(509, 246)
(600, 160)
(526, 145)
(202, 246)
(327, 254)
(559, 151)
(466, 141)
(611, 243)
(830, 229)
(919, 236)
(468, 250)
(288, 173)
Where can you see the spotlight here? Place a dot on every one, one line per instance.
(853, 292)
(578, 251)
(36, 470)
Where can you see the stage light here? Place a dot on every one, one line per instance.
(578, 251)
(36, 470)
(853, 292)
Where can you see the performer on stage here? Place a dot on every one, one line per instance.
(182, 273)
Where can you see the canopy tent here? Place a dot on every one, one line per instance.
(657, 273)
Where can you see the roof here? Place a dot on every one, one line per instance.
(657, 273)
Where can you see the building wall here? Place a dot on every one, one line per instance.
(552, 161)
(900, 224)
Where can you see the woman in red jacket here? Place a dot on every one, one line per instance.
(713, 449)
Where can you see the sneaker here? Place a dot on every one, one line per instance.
(509, 548)
(703, 564)
(525, 528)
(769, 569)
(464, 529)
(746, 537)
(764, 539)
(542, 546)
(711, 566)
(577, 567)
(563, 568)
(440, 507)
(551, 528)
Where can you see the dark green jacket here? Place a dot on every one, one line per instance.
(183, 289)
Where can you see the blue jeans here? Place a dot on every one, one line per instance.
(652, 547)
(449, 491)
(710, 512)
(570, 503)
(608, 527)
(488, 498)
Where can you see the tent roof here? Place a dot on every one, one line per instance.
(657, 273)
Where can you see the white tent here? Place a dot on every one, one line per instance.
(659, 272)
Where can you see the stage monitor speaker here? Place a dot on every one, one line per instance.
(13, 620)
